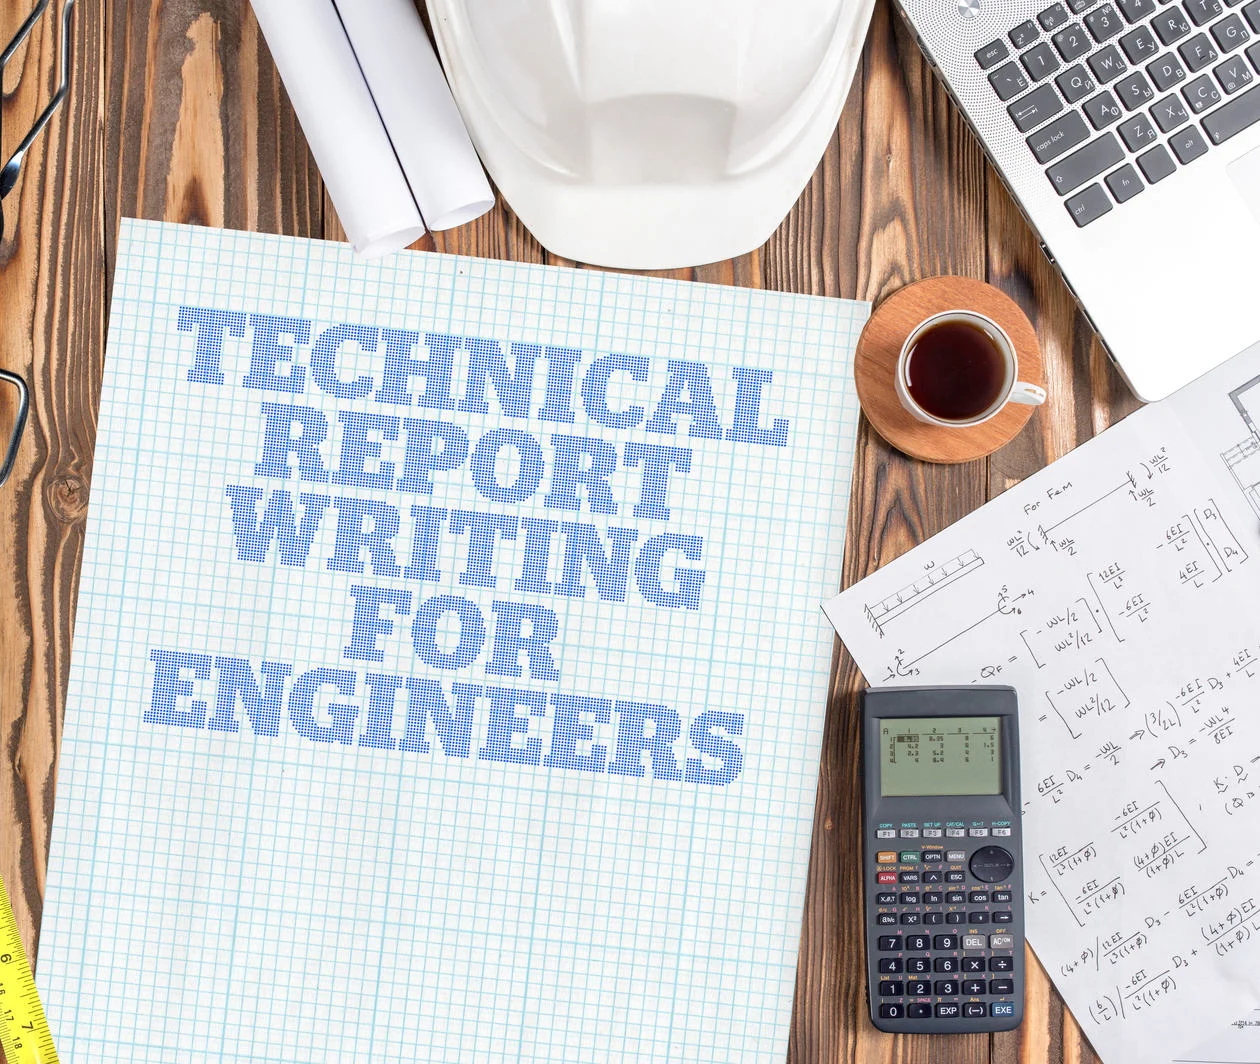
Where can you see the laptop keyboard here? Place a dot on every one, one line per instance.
(1114, 96)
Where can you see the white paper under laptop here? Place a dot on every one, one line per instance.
(1118, 591)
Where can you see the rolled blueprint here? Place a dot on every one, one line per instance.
(341, 123)
(419, 113)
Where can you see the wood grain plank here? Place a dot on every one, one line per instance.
(903, 191)
(51, 286)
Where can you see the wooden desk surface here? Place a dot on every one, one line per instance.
(176, 113)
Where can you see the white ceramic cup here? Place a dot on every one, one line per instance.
(1013, 390)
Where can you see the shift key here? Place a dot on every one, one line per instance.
(1085, 164)
(1242, 111)
(1058, 137)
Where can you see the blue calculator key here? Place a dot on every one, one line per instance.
(892, 1011)
(1002, 1008)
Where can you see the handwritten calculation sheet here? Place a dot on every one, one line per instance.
(1116, 590)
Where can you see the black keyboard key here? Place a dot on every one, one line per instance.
(918, 987)
(978, 897)
(955, 918)
(1252, 14)
(1003, 896)
(1166, 71)
(891, 965)
(931, 876)
(1170, 25)
(1077, 6)
(933, 918)
(1238, 114)
(933, 897)
(909, 899)
(1001, 986)
(907, 877)
(916, 942)
(1085, 163)
(978, 918)
(1134, 90)
(931, 856)
(946, 965)
(911, 919)
(974, 987)
(1136, 10)
(1024, 34)
(918, 965)
(1124, 184)
(1038, 107)
(1005, 916)
(955, 897)
(1001, 964)
(1137, 133)
(1230, 33)
(1088, 205)
(884, 919)
(973, 964)
(892, 1010)
(1073, 42)
(945, 942)
(973, 1009)
(1139, 45)
(1104, 23)
(991, 54)
(955, 877)
(889, 943)
(1234, 74)
(1075, 83)
(1253, 53)
(1060, 136)
(1103, 110)
(1198, 52)
(1201, 94)
(886, 899)
(946, 987)
(1040, 61)
(948, 1010)
(890, 988)
(1008, 81)
(1107, 65)
(919, 1010)
(1053, 17)
(1202, 12)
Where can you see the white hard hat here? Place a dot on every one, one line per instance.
(652, 133)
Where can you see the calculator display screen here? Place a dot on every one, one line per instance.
(922, 756)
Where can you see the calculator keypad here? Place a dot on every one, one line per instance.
(953, 956)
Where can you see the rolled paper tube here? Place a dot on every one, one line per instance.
(420, 116)
(341, 123)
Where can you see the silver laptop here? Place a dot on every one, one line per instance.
(1128, 131)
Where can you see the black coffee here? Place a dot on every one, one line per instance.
(955, 370)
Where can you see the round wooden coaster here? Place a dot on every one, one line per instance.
(875, 367)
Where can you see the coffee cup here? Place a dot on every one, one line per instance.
(958, 369)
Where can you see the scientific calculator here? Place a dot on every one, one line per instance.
(943, 874)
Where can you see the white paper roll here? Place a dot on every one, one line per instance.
(419, 112)
(341, 123)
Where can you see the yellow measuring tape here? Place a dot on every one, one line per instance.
(24, 1032)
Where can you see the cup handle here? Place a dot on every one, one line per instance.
(1028, 394)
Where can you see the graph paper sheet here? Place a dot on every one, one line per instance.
(448, 677)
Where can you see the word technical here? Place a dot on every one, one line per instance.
(391, 537)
